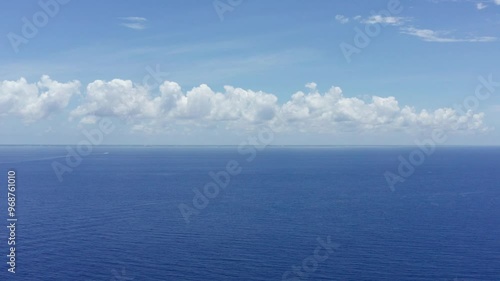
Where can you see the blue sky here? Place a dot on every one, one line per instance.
(98, 55)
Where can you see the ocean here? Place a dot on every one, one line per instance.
(275, 213)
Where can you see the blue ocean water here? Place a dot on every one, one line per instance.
(116, 215)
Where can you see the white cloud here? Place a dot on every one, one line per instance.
(137, 23)
(123, 99)
(334, 112)
(35, 101)
(232, 109)
(311, 86)
(375, 19)
(342, 19)
(441, 36)
(139, 19)
(481, 6)
(241, 109)
(379, 19)
(497, 2)
(119, 98)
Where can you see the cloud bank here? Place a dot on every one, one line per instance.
(233, 109)
(32, 102)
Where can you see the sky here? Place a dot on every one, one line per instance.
(219, 72)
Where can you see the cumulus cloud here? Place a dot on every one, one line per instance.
(117, 98)
(199, 106)
(233, 109)
(333, 111)
(35, 101)
(237, 108)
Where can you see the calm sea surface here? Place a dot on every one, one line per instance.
(116, 215)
